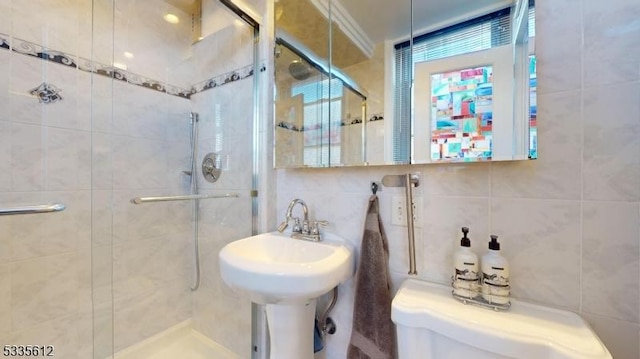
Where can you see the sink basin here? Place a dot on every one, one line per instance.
(274, 268)
(287, 275)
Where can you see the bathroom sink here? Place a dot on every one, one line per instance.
(273, 268)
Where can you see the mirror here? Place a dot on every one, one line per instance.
(352, 90)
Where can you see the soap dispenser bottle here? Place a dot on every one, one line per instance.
(495, 274)
(465, 280)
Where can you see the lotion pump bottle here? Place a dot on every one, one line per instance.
(465, 280)
(495, 274)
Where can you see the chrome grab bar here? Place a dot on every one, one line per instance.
(140, 200)
(41, 208)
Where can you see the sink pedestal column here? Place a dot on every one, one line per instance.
(291, 328)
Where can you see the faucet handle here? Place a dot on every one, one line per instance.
(315, 229)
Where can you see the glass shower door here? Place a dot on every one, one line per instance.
(45, 158)
(165, 64)
(95, 98)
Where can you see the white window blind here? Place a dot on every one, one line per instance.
(475, 37)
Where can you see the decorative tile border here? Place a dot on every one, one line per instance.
(292, 127)
(47, 93)
(223, 79)
(4, 42)
(30, 49)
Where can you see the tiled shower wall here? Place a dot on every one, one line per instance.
(103, 144)
(568, 222)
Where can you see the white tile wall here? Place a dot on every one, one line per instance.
(68, 159)
(611, 42)
(43, 289)
(5, 71)
(612, 168)
(610, 260)
(542, 240)
(562, 23)
(27, 159)
(26, 74)
(53, 25)
(62, 332)
(5, 155)
(5, 16)
(5, 300)
(568, 221)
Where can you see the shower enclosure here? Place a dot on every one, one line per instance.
(96, 97)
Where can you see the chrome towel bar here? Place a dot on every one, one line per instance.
(190, 197)
(41, 208)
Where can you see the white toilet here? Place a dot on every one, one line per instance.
(431, 324)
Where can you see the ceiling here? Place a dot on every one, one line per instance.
(184, 5)
(391, 20)
(306, 23)
(374, 20)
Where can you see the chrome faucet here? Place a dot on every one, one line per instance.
(304, 230)
(296, 227)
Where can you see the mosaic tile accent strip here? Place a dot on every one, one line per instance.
(30, 49)
(223, 79)
(47, 93)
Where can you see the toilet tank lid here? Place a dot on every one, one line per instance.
(525, 330)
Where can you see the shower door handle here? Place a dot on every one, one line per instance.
(42, 208)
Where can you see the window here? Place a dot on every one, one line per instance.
(486, 32)
(322, 100)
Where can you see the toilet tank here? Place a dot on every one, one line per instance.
(431, 324)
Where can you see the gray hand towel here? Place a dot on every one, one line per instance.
(373, 335)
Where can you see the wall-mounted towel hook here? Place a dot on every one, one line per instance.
(374, 187)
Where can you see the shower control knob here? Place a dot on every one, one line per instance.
(211, 167)
(208, 166)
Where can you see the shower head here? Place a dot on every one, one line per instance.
(299, 70)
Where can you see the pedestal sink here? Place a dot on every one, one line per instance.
(287, 275)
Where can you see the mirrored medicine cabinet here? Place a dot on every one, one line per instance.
(403, 82)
